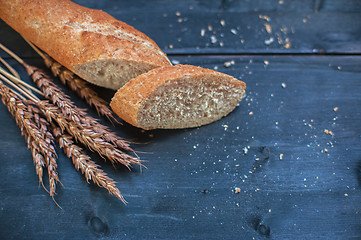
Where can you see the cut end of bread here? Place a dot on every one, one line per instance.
(111, 74)
(188, 102)
(179, 96)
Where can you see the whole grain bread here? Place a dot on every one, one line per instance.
(181, 96)
(90, 43)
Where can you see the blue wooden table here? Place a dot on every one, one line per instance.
(269, 170)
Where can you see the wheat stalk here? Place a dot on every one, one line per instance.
(88, 168)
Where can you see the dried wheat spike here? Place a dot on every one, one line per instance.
(58, 97)
(80, 86)
(87, 136)
(88, 168)
(37, 141)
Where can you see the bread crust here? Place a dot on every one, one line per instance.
(74, 35)
(130, 99)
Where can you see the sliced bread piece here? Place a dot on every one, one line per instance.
(181, 96)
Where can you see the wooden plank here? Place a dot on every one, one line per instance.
(244, 27)
(188, 189)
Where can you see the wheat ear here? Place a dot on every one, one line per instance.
(38, 142)
(88, 168)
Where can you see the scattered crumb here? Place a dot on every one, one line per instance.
(229, 63)
(178, 14)
(269, 41)
(328, 132)
(175, 62)
(237, 190)
(203, 31)
(276, 123)
(325, 150)
(234, 31)
(280, 2)
(266, 62)
(210, 28)
(346, 195)
(339, 67)
(264, 17)
(268, 28)
(222, 22)
(335, 109)
(180, 20)
(269, 210)
(304, 20)
(250, 113)
(287, 45)
(213, 39)
(245, 150)
(281, 156)
(170, 46)
(283, 85)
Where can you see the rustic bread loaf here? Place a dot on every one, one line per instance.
(89, 42)
(180, 96)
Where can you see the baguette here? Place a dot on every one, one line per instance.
(89, 42)
(180, 96)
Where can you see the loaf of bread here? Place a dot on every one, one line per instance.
(180, 96)
(90, 43)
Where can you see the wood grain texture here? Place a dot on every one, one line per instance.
(188, 189)
(295, 181)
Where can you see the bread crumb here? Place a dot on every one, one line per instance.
(346, 195)
(269, 41)
(245, 150)
(178, 13)
(264, 17)
(266, 62)
(250, 113)
(175, 62)
(213, 39)
(283, 85)
(328, 132)
(281, 156)
(335, 109)
(234, 31)
(228, 63)
(268, 28)
(287, 45)
(222, 22)
(237, 190)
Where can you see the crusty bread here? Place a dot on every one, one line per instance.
(181, 96)
(89, 42)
